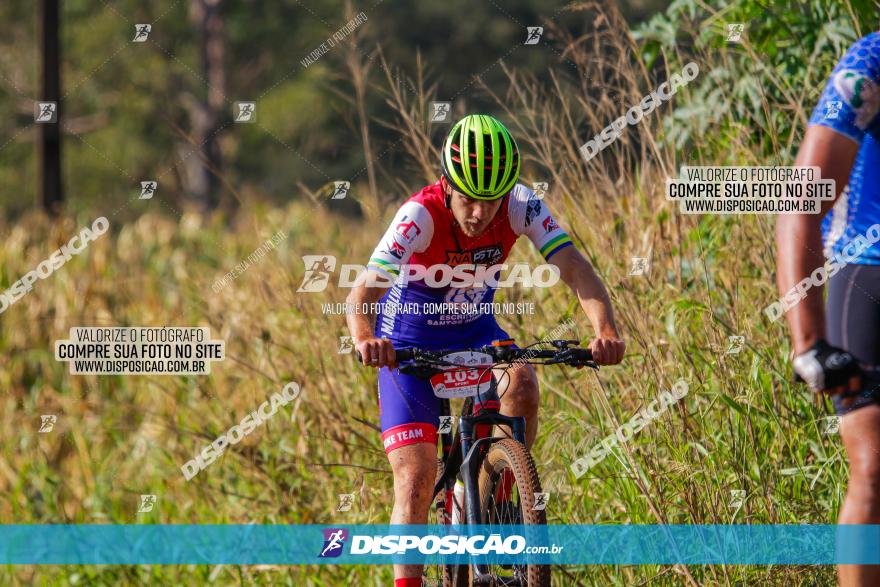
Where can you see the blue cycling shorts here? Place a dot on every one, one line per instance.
(409, 412)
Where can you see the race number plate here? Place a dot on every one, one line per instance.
(473, 376)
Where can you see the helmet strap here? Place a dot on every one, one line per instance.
(447, 199)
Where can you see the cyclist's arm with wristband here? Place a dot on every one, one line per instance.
(531, 217)
(409, 231)
(799, 253)
(831, 143)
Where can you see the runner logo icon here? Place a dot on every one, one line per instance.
(334, 540)
(318, 268)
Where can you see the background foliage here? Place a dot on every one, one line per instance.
(743, 426)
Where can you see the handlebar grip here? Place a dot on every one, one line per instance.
(400, 355)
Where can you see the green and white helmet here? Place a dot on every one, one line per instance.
(491, 153)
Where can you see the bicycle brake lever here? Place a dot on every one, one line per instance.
(580, 363)
(419, 371)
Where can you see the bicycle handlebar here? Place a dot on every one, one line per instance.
(425, 363)
(564, 353)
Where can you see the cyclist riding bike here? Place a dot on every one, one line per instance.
(472, 215)
(843, 139)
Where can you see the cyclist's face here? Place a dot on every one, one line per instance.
(472, 215)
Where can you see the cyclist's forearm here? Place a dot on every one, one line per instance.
(580, 276)
(361, 324)
(799, 237)
(596, 304)
(798, 254)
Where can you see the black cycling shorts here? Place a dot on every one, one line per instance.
(852, 318)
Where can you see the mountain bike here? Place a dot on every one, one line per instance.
(498, 479)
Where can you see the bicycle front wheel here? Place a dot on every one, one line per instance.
(444, 575)
(508, 483)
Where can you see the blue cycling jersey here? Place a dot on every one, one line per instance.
(850, 105)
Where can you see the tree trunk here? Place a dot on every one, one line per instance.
(202, 169)
(49, 145)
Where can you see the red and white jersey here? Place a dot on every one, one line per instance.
(424, 232)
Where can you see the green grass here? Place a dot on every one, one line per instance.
(742, 426)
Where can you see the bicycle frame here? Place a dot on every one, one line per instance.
(464, 449)
(473, 437)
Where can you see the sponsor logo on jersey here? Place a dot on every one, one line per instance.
(550, 224)
(860, 93)
(479, 256)
(408, 229)
(466, 295)
(395, 249)
(533, 208)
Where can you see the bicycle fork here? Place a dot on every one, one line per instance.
(475, 451)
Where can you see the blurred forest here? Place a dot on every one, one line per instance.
(163, 109)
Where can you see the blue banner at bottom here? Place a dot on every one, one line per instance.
(82, 544)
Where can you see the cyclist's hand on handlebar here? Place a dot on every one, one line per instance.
(607, 351)
(376, 352)
(828, 369)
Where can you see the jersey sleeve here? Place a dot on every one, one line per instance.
(409, 232)
(531, 217)
(850, 102)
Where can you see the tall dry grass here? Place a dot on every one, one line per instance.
(742, 425)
